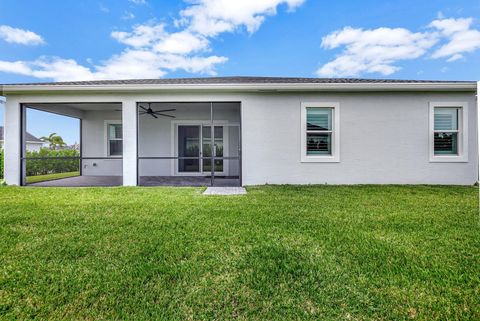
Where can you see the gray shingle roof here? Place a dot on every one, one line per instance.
(29, 137)
(234, 80)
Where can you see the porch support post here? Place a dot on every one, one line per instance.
(13, 143)
(129, 125)
(212, 147)
(478, 131)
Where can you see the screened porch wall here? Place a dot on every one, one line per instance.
(87, 157)
(163, 137)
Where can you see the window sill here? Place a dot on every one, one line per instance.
(448, 159)
(320, 159)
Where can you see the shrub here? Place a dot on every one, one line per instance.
(52, 166)
(47, 166)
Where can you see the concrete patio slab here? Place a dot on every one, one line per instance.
(187, 181)
(217, 190)
(103, 181)
(82, 181)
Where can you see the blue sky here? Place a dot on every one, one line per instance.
(81, 40)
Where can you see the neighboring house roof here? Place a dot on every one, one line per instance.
(240, 83)
(29, 137)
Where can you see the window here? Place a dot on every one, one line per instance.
(320, 137)
(445, 128)
(114, 140)
(448, 132)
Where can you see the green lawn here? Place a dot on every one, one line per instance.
(49, 177)
(278, 253)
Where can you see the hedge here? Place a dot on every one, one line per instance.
(48, 166)
(52, 166)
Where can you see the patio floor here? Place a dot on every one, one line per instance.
(187, 181)
(93, 181)
(82, 181)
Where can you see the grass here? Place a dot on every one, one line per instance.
(278, 253)
(49, 177)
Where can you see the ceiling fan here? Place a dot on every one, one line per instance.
(154, 113)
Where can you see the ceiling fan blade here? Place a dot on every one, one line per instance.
(153, 115)
(165, 115)
(142, 113)
(164, 110)
(143, 107)
(118, 110)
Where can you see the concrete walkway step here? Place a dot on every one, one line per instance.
(217, 190)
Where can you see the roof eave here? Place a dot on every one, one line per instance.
(255, 87)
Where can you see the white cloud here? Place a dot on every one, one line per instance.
(55, 68)
(379, 50)
(152, 51)
(128, 16)
(373, 50)
(461, 38)
(16, 67)
(182, 42)
(20, 36)
(141, 36)
(156, 38)
(130, 64)
(103, 8)
(138, 1)
(212, 17)
(139, 63)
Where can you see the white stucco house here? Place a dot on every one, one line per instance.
(32, 143)
(257, 130)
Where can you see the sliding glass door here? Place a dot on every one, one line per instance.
(217, 148)
(189, 146)
(195, 151)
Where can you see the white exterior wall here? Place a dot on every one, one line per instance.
(94, 139)
(33, 147)
(384, 139)
(384, 136)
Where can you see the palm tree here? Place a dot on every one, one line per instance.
(54, 140)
